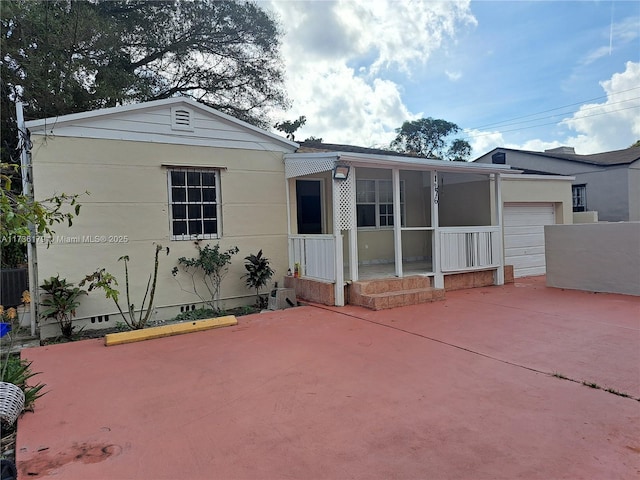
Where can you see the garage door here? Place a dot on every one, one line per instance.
(524, 236)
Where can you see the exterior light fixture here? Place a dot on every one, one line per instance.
(341, 172)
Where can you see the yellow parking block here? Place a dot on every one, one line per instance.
(168, 330)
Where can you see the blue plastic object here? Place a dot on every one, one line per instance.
(4, 329)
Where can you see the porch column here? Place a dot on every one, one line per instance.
(289, 246)
(337, 238)
(499, 275)
(397, 222)
(353, 233)
(438, 277)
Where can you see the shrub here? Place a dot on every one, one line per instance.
(61, 302)
(258, 275)
(104, 280)
(210, 266)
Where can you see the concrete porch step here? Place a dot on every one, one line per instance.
(393, 292)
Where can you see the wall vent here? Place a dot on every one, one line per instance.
(181, 119)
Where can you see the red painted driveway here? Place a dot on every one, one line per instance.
(460, 389)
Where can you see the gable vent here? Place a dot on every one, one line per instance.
(181, 119)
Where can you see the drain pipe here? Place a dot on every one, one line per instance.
(24, 144)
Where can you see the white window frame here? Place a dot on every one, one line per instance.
(217, 203)
(575, 196)
(378, 203)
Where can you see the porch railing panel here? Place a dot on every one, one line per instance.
(315, 254)
(469, 248)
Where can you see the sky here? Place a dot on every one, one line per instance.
(515, 74)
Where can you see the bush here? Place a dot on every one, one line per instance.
(61, 302)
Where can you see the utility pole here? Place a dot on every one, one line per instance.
(24, 145)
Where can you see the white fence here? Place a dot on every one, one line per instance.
(315, 254)
(469, 248)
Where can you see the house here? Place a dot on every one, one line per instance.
(607, 183)
(528, 202)
(174, 171)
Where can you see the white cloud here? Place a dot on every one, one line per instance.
(607, 126)
(453, 76)
(340, 56)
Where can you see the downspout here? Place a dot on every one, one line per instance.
(26, 172)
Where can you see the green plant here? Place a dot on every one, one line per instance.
(22, 216)
(198, 314)
(247, 310)
(106, 281)
(210, 267)
(258, 274)
(18, 372)
(61, 302)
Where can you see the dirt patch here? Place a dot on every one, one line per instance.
(44, 462)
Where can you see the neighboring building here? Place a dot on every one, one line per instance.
(607, 182)
(173, 171)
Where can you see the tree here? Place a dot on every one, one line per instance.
(428, 137)
(22, 216)
(290, 126)
(68, 56)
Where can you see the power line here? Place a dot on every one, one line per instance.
(554, 109)
(569, 112)
(548, 123)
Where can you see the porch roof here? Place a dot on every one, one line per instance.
(298, 164)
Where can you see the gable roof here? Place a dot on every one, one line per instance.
(153, 121)
(605, 159)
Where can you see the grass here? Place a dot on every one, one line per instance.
(595, 386)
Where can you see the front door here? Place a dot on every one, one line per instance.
(309, 202)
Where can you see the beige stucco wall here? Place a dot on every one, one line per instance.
(585, 217)
(599, 257)
(129, 198)
(538, 189)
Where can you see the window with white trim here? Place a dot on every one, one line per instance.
(579, 194)
(194, 203)
(374, 203)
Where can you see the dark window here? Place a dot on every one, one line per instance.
(579, 193)
(195, 204)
